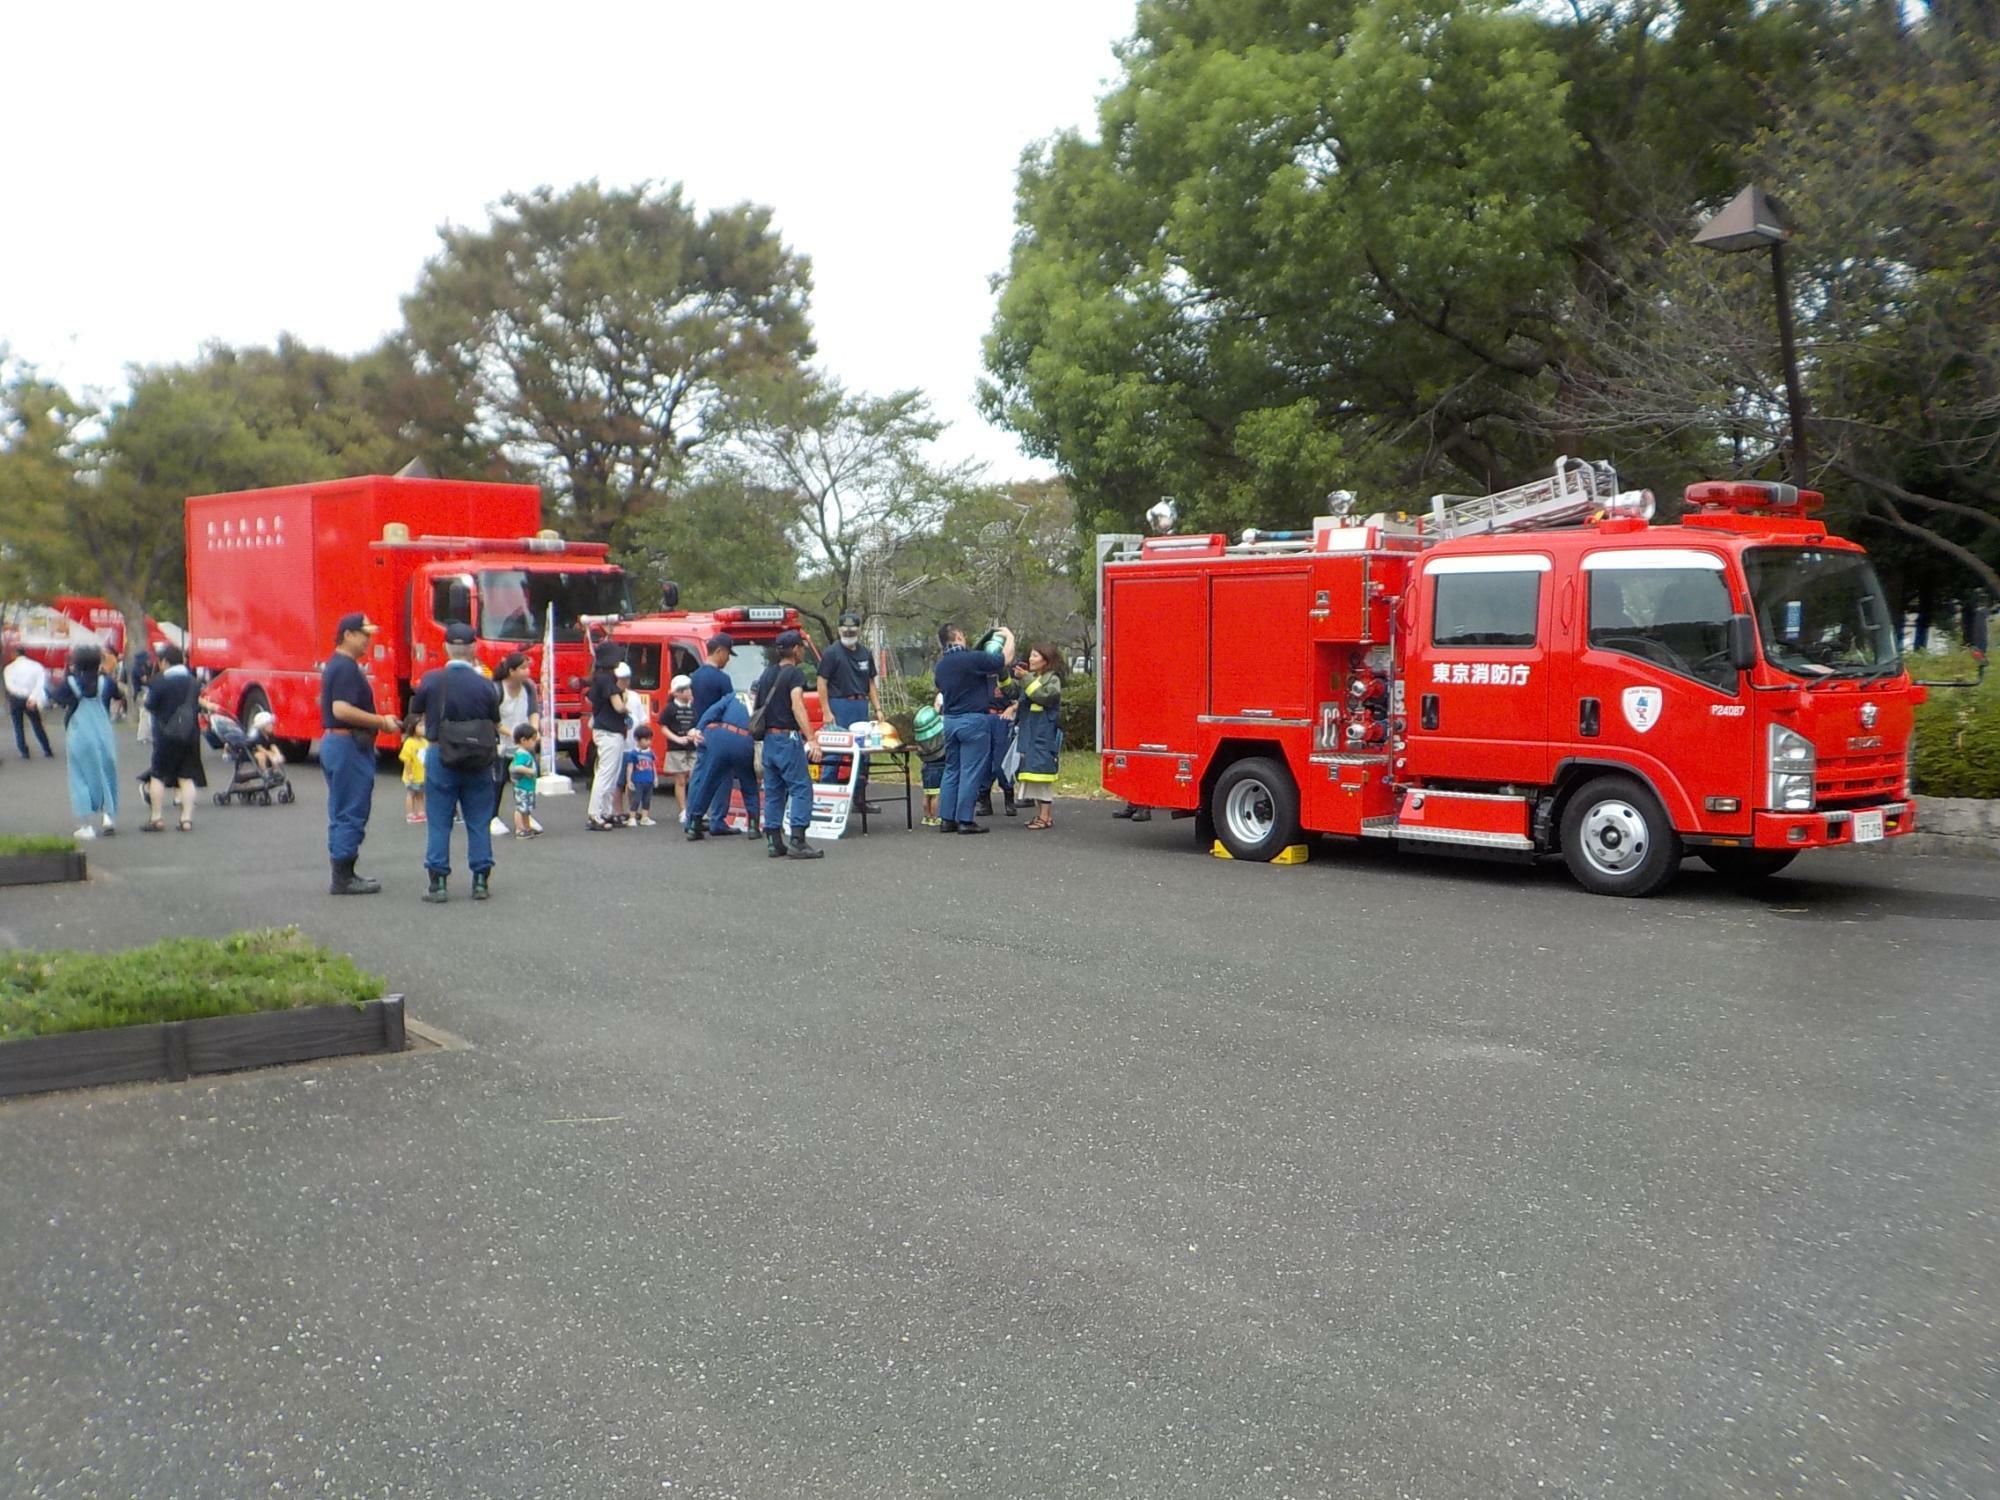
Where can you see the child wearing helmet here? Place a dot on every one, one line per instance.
(928, 732)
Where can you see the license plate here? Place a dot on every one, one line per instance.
(1867, 827)
(567, 731)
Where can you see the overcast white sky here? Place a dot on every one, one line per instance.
(180, 173)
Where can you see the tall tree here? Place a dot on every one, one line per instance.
(42, 451)
(104, 492)
(854, 471)
(1314, 241)
(599, 332)
(1887, 172)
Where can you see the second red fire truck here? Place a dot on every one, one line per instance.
(270, 571)
(1541, 671)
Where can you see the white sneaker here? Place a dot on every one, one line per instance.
(535, 827)
(88, 831)
(647, 822)
(499, 828)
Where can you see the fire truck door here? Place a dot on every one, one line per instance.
(1476, 687)
(1649, 682)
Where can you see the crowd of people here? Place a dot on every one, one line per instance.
(471, 739)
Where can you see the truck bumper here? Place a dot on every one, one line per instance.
(1822, 830)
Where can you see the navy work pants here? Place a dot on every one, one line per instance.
(968, 755)
(727, 761)
(348, 763)
(22, 715)
(473, 796)
(787, 781)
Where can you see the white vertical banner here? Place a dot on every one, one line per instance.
(549, 784)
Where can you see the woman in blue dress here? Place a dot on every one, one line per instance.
(86, 694)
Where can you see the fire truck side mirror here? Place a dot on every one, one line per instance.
(1742, 642)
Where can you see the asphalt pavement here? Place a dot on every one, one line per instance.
(1070, 1164)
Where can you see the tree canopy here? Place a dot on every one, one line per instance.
(598, 333)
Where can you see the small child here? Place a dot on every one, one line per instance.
(929, 735)
(677, 724)
(412, 757)
(641, 772)
(521, 770)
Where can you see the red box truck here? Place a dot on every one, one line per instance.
(270, 571)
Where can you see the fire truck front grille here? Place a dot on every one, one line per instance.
(1864, 778)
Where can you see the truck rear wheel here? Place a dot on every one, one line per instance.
(1255, 809)
(1746, 864)
(1616, 839)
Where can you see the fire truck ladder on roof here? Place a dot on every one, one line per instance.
(1577, 489)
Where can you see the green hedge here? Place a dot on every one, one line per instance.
(1958, 734)
(181, 979)
(1079, 709)
(37, 843)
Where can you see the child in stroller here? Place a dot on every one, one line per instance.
(257, 768)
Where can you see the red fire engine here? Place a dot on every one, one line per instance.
(1541, 670)
(270, 572)
(673, 642)
(49, 632)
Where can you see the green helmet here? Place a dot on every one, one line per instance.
(929, 729)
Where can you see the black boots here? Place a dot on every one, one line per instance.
(756, 828)
(947, 826)
(776, 839)
(697, 828)
(436, 893)
(347, 883)
(479, 890)
(1136, 813)
(1008, 792)
(985, 807)
(800, 849)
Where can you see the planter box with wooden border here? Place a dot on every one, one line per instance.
(174, 1050)
(42, 869)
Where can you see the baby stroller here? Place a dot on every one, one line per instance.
(249, 779)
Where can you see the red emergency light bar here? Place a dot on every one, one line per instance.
(759, 614)
(1750, 497)
(533, 544)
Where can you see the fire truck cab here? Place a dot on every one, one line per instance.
(1540, 671)
(674, 642)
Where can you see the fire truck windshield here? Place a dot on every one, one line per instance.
(1821, 613)
(513, 601)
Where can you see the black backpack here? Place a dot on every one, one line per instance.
(181, 727)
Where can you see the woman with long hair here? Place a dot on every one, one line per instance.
(519, 704)
(1040, 731)
(86, 695)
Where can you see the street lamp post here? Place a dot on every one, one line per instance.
(1752, 220)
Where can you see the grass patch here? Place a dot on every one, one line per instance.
(37, 843)
(181, 979)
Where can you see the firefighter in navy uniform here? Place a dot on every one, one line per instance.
(458, 703)
(348, 726)
(849, 692)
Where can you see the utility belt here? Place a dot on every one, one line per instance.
(732, 728)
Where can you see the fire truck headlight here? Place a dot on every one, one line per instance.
(1792, 764)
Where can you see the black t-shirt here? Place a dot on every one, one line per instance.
(603, 688)
(341, 680)
(846, 670)
(676, 717)
(775, 688)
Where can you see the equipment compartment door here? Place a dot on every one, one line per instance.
(1476, 695)
(1260, 661)
(1156, 639)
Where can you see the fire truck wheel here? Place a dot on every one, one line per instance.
(1747, 864)
(1616, 839)
(1256, 809)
